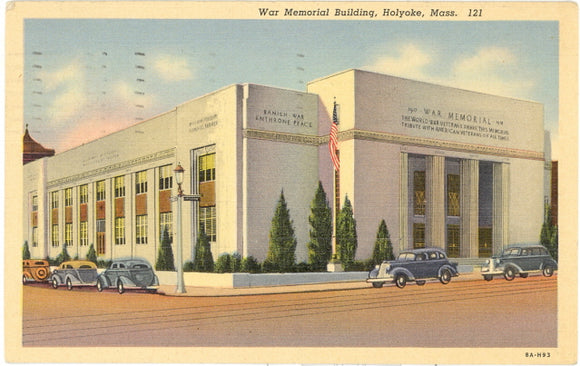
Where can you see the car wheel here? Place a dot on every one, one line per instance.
(69, 285)
(120, 287)
(548, 271)
(509, 273)
(54, 283)
(100, 286)
(421, 283)
(523, 275)
(445, 276)
(378, 284)
(488, 277)
(401, 280)
(24, 280)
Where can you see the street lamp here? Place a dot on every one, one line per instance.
(187, 197)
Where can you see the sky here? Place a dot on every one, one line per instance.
(88, 78)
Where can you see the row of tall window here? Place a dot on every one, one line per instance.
(207, 209)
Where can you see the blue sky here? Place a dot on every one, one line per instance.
(88, 78)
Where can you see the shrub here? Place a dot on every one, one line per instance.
(25, 250)
(63, 256)
(92, 254)
(223, 263)
(250, 265)
(320, 219)
(203, 260)
(165, 260)
(282, 246)
(103, 263)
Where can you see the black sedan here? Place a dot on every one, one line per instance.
(417, 265)
(128, 273)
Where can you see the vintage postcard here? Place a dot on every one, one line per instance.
(291, 182)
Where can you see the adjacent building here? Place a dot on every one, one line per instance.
(444, 167)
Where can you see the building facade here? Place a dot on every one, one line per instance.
(444, 167)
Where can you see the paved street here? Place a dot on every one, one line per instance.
(521, 313)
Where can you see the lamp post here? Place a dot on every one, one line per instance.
(187, 197)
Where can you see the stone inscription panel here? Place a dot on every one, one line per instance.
(455, 123)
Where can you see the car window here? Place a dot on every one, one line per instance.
(38, 263)
(433, 255)
(525, 252)
(421, 257)
(513, 251)
(85, 266)
(114, 266)
(441, 255)
(407, 257)
(140, 266)
(121, 265)
(536, 251)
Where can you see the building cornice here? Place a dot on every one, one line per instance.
(355, 134)
(159, 155)
(292, 138)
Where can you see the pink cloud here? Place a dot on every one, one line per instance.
(88, 131)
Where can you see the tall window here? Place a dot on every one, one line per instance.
(35, 236)
(453, 195)
(207, 221)
(141, 182)
(68, 197)
(419, 199)
(207, 168)
(418, 235)
(54, 235)
(100, 229)
(68, 229)
(165, 177)
(141, 229)
(119, 186)
(166, 222)
(34, 203)
(84, 193)
(101, 190)
(54, 199)
(83, 233)
(453, 241)
(119, 230)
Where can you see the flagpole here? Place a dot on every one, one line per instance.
(334, 265)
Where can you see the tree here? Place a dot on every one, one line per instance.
(63, 256)
(320, 219)
(383, 247)
(549, 233)
(203, 260)
(92, 254)
(25, 250)
(282, 244)
(346, 237)
(165, 261)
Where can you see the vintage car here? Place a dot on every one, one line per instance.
(522, 260)
(35, 270)
(128, 273)
(74, 273)
(416, 265)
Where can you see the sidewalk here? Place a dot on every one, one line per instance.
(169, 290)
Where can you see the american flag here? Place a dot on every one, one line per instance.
(333, 140)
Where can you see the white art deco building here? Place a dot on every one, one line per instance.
(443, 167)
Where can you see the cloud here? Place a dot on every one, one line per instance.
(172, 68)
(493, 70)
(66, 92)
(410, 62)
(89, 130)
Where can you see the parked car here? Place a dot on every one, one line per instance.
(522, 260)
(416, 265)
(128, 273)
(35, 270)
(74, 273)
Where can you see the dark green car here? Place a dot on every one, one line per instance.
(520, 260)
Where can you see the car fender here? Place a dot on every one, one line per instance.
(511, 264)
(104, 280)
(399, 270)
(547, 263)
(74, 280)
(451, 269)
(126, 281)
(56, 277)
